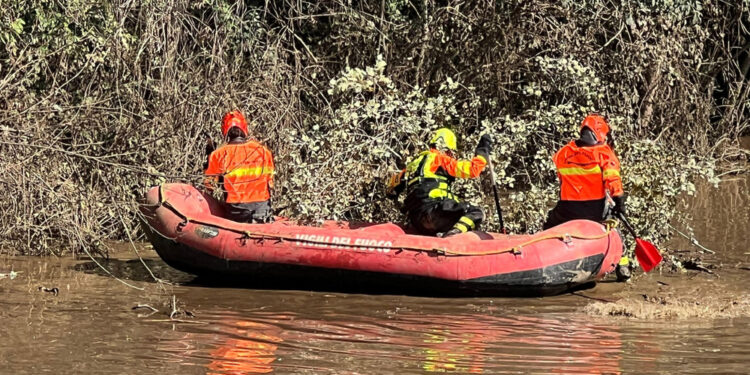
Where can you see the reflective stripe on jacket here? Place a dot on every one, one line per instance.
(587, 173)
(246, 170)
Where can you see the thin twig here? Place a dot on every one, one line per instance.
(144, 306)
(692, 240)
(174, 307)
(102, 267)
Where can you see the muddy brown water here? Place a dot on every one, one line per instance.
(90, 327)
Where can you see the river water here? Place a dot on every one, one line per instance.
(90, 326)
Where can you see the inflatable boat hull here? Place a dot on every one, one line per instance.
(188, 232)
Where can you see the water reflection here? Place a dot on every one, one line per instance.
(463, 354)
(471, 343)
(248, 348)
(227, 345)
(478, 343)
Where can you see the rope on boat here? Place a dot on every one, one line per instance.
(610, 225)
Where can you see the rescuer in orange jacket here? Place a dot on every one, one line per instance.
(589, 170)
(431, 206)
(244, 170)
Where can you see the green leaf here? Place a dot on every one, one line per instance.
(17, 25)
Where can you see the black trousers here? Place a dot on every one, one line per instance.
(256, 212)
(439, 216)
(594, 210)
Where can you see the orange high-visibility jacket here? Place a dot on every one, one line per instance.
(587, 173)
(247, 170)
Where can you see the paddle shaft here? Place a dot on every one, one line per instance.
(497, 197)
(627, 224)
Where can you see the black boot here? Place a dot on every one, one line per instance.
(622, 271)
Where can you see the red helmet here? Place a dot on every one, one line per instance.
(598, 124)
(231, 120)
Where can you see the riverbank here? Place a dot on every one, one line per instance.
(706, 273)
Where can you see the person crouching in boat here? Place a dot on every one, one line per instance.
(431, 207)
(588, 170)
(243, 168)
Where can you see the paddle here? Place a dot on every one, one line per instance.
(646, 252)
(497, 197)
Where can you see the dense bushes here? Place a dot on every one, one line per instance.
(98, 101)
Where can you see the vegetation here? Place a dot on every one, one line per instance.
(101, 100)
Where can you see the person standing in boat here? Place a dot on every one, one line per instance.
(431, 207)
(589, 170)
(243, 169)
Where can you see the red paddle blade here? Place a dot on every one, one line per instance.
(647, 254)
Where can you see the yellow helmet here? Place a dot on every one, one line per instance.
(444, 137)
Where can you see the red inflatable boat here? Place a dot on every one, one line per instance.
(188, 232)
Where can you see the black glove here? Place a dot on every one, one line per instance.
(394, 187)
(484, 147)
(210, 146)
(611, 139)
(619, 207)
